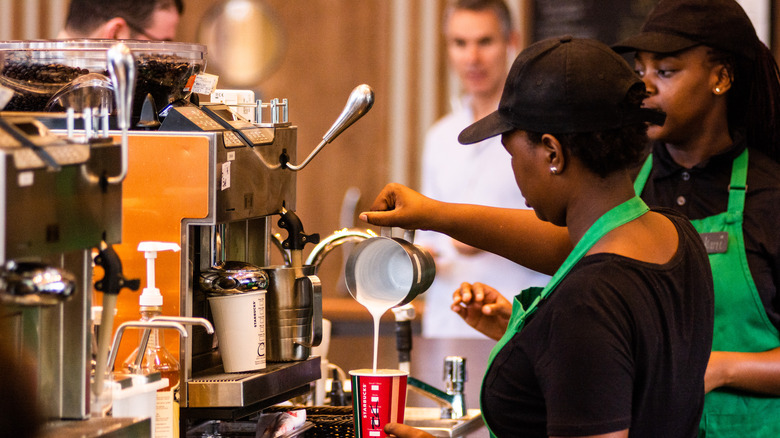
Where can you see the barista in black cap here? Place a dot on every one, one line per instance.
(716, 161)
(617, 343)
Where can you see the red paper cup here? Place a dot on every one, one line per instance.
(378, 398)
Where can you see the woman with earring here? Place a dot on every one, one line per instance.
(715, 159)
(616, 345)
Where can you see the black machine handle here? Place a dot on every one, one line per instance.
(111, 283)
(114, 280)
(296, 237)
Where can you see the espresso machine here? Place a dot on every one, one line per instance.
(216, 183)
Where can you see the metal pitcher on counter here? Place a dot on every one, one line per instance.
(294, 307)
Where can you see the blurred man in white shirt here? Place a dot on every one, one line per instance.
(480, 42)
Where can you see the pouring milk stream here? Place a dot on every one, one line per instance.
(383, 272)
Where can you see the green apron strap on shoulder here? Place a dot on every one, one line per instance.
(644, 173)
(738, 187)
(617, 216)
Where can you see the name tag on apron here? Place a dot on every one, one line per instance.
(715, 243)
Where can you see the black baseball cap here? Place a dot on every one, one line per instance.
(564, 85)
(675, 25)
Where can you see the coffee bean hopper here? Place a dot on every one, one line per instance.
(61, 200)
(44, 75)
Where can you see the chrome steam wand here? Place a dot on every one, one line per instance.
(360, 101)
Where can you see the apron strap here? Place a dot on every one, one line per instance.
(617, 216)
(737, 187)
(644, 173)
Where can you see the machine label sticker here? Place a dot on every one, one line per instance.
(204, 83)
(231, 156)
(26, 179)
(225, 175)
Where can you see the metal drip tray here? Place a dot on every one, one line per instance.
(215, 388)
(428, 420)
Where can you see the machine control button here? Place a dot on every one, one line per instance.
(231, 140)
(259, 136)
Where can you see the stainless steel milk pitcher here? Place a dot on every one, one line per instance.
(390, 268)
(293, 312)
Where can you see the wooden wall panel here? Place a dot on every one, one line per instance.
(31, 19)
(331, 47)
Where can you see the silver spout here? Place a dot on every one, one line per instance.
(336, 239)
(140, 324)
(452, 401)
(455, 379)
(186, 320)
(454, 373)
(453, 405)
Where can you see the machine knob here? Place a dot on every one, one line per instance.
(35, 284)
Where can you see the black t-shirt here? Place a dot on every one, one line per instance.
(703, 191)
(618, 344)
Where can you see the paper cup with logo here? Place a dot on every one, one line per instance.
(239, 321)
(378, 398)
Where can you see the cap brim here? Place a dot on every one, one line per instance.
(655, 42)
(484, 128)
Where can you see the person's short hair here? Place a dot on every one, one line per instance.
(84, 16)
(498, 7)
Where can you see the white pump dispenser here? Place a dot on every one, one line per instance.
(157, 358)
(151, 296)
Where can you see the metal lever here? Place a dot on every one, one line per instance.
(121, 69)
(360, 101)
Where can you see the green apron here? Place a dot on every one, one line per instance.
(741, 323)
(528, 300)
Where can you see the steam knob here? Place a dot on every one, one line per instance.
(35, 284)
